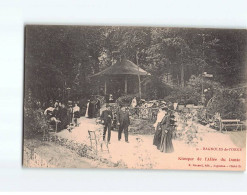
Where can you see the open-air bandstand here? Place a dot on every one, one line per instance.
(121, 78)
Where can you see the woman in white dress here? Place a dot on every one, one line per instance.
(133, 103)
(86, 115)
(157, 136)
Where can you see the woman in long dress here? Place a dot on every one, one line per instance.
(133, 103)
(157, 126)
(86, 115)
(167, 129)
(91, 108)
(97, 108)
(76, 112)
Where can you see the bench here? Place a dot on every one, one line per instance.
(227, 123)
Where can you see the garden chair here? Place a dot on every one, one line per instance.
(94, 139)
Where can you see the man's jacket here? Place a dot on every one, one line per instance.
(123, 118)
(106, 116)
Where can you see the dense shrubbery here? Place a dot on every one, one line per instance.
(126, 100)
(229, 103)
(156, 89)
(191, 93)
(141, 127)
(34, 119)
(186, 95)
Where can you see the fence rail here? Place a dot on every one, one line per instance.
(144, 113)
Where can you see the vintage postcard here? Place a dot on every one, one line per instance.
(135, 98)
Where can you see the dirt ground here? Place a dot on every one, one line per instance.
(140, 153)
(59, 156)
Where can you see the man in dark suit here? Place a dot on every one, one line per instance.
(62, 115)
(106, 117)
(123, 122)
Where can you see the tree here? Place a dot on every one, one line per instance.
(60, 57)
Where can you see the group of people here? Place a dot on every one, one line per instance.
(164, 128)
(122, 119)
(93, 108)
(63, 116)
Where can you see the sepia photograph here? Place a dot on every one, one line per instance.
(128, 97)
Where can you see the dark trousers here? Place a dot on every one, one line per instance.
(121, 129)
(70, 117)
(107, 127)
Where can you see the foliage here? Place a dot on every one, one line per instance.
(156, 89)
(34, 119)
(141, 127)
(191, 93)
(127, 99)
(186, 95)
(64, 57)
(229, 103)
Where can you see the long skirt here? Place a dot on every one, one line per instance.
(166, 145)
(157, 136)
(86, 115)
(77, 114)
(91, 110)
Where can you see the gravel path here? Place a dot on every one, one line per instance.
(140, 152)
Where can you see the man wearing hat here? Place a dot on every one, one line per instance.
(63, 117)
(106, 117)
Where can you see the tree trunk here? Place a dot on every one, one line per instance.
(126, 85)
(182, 75)
(105, 86)
(182, 69)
